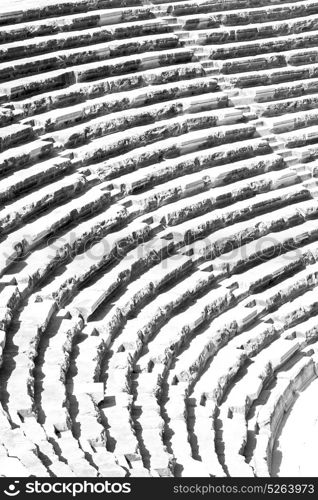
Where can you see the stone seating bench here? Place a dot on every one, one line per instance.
(135, 118)
(21, 156)
(176, 140)
(263, 77)
(268, 13)
(97, 103)
(253, 31)
(294, 44)
(86, 21)
(65, 82)
(215, 156)
(56, 193)
(215, 177)
(37, 175)
(112, 105)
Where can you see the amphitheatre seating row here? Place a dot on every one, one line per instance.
(213, 177)
(290, 287)
(98, 62)
(211, 388)
(248, 15)
(199, 338)
(175, 411)
(180, 328)
(67, 40)
(70, 27)
(281, 91)
(54, 7)
(21, 156)
(292, 121)
(276, 268)
(215, 156)
(40, 263)
(115, 123)
(181, 137)
(294, 57)
(297, 46)
(26, 342)
(111, 12)
(298, 310)
(236, 403)
(250, 315)
(56, 119)
(36, 175)
(182, 210)
(138, 372)
(269, 245)
(232, 236)
(164, 270)
(205, 345)
(281, 397)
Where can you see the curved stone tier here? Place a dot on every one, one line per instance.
(158, 237)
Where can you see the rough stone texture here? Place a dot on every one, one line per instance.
(158, 236)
